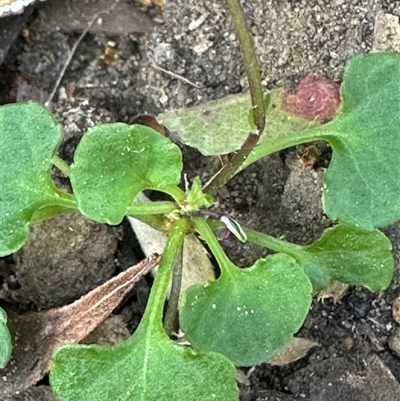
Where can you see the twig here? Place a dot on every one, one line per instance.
(72, 53)
(172, 74)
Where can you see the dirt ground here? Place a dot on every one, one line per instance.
(147, 60)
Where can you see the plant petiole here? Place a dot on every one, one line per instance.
(61, 164)
(150, 208)
(264, 240)
(267, 241)
(175, 192)
(208, 236)
(171, 311)
(230, 223)
(155, 305)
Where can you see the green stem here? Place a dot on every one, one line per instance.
(61, 164)
(65, 199)
(58, 203)
(250, 62)
(267, 241)
(156, 221)
(149, 208)
(175, 192)
(207, 234)
(48, 212)
(232, 167)
(174, 295)
(264, 240)
(267, 148)
(257, 100)
(155, 305)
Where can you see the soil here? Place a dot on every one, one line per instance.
(173, 59)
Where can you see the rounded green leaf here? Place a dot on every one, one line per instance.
(114, 162)
(147, 367)
(248, 314)
(349, 255)
(29, 137)
(221, 126)
(362, 183)
(5, 340)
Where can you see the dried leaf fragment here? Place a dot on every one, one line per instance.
(36, 335)
(396, 309)
(335, 290)
(296, 349)
(158, 3)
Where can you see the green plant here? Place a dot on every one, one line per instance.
(245, 316)
(5, 340)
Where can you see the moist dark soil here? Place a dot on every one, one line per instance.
(184, 54)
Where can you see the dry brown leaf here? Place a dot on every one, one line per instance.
(335, 290)
(158, 3)
(297, 348)
(396, 309)
(36, 335)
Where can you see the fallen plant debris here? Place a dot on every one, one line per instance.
(38, 334)
(294, 350)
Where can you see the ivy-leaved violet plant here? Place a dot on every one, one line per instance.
(247, 314)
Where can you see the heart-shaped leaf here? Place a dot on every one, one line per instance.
(29, 137)
(114, 162)
(362, 183)
(248, 314)
(146, 367)
(349, 255)
(343, 253)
